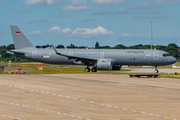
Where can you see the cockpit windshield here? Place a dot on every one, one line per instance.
(166, 54)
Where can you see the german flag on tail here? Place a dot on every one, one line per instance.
(17, 33)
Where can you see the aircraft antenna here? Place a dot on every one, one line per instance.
(151, 35)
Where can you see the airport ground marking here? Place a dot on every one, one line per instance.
(67, 97)
(6, 116)
(83, 100)
(116, 106)
(25, 106)
(61, 95)
(109, 105)
(91, 102)
(135, 111)
(74, 98)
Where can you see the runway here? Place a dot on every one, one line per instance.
(88, 97)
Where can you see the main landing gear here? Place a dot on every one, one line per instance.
(156, 70)
(94, 69)
(88, 69)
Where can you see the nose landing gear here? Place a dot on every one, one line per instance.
(156, 70)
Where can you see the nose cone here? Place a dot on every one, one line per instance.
(173, 60)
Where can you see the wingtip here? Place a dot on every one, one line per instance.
(55, 49)
(13, 26)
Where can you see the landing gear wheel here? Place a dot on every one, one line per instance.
(156, 71)
(87, 70)
(94, 70)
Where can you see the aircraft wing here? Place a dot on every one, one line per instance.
(85, 60)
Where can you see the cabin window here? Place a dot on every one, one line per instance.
(166, 54)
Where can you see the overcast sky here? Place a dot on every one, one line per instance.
(83, 22)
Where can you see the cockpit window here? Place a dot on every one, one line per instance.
(166, 54)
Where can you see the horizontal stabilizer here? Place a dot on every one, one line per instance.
(15, 52)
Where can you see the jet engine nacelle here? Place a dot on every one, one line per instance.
(116, 67)
(104, 65)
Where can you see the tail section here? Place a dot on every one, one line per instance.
(20, 40)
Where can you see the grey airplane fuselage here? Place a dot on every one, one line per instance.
(117, 56)
(100, 59)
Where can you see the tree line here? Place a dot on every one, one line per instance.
(171, 48)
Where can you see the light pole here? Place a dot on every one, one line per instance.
(151, 35)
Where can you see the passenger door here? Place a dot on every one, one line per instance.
(155, 55)
(34, 54)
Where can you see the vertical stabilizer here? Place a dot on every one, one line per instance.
(20, 40)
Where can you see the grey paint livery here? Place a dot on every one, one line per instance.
(20, 41)
(103, 59)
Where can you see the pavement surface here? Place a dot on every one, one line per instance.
(148, 70)
(88, 97)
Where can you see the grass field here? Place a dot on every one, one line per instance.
(55, 69)
(74, 69)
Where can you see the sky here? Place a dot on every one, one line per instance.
(85, 22)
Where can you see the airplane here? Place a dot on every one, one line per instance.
(100, 59)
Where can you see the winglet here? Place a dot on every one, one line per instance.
(56, 51)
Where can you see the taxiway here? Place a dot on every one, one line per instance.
(88, 97)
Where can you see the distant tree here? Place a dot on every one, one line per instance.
(43, 46)
(38, 46)
(2, 47)
(97, 45)
(139, 45)
(179, 52)
(105, 47)
(82, 47)
(133, 47)
(173, 51)
(71, 46)
(18, 59)
(172, 48)
(60, 46)
(160, 47)
(173, 45)
(119, 47)
(5, 55)
(10, 47)
(146, 47)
